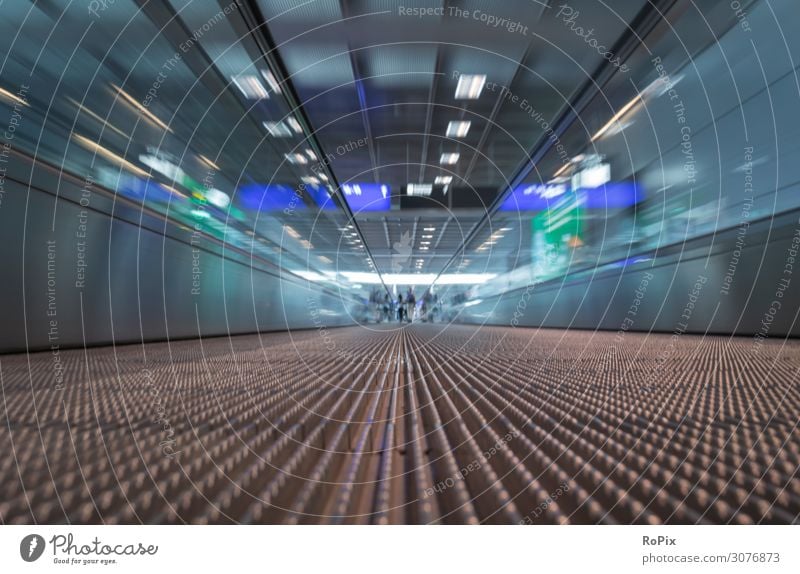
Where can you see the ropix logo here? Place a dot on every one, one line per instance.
(31, 547)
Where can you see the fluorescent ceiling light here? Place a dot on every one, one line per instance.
(419, 189)
(109, 155)
(6, 95)
(311, 154)
(251, 87)
(458, 129)
(310, 180)
(271, 81)
(443, 180)
(449, 158)
(278, 129)
(294, 124)
(140, 108)
(592, 177)
(291, 231)
(430, 229)
(616, 117)
(208, 162)
(470, 86)
(562, 169)
(296, 158)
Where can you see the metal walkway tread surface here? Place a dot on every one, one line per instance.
(419, 424)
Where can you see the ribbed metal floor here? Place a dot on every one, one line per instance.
(418, 425)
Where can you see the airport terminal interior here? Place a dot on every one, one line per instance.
(399, 262)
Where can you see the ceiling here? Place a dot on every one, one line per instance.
(372, 90)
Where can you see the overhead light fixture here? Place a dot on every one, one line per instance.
(430, 229)
(470, 86)
(164, 167)
(296, 158)
(592, 176)
(311, 154)
(427, 237)
(109, 155)
(294, 124)
(615, 118)
(449, 158)
(82, 108)
(562, 169)
(458, 129)
(251, 87)
(208, 162)
(443, 180)
(419, 189)
(140, 108)
(291, 231)
(271, 81)
(171, 189)
(6, 95)
(278, 129)
(310, 180)
(217, 198)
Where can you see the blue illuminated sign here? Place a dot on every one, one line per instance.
(367, 196)
(539, 197)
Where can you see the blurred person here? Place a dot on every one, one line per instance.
(411, 303)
